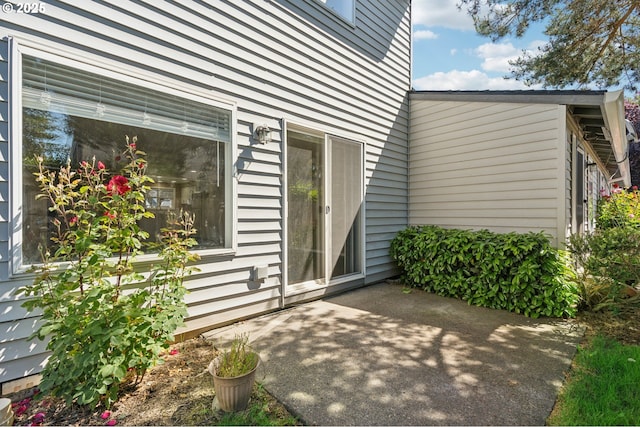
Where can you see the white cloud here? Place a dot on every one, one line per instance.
(466, 80)
(440, 13)
(453, 52)
(496, 56)
(424, 35)
(534, 46)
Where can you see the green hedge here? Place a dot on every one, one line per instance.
(521, 273)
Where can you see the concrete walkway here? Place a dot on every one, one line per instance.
(378, 356)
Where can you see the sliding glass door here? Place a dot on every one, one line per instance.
(324, 207)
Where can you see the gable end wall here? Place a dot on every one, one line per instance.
(483, 165)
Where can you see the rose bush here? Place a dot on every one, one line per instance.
(621, 208)
(608, 259)
(105, 319)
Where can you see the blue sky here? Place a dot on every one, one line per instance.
(449, 55)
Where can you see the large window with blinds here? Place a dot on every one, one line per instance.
(69, 113)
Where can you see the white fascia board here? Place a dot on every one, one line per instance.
(613, 109)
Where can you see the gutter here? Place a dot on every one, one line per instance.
(613, 112)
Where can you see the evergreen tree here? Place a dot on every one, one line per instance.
(40, 131)
(591, 42)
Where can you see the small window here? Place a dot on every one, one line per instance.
(72, 114)
(344, 8)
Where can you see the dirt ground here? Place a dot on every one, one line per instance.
(623, 327)
(180, 391)
(177, 392)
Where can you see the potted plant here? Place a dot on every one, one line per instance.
(234, 372)
(6, 413)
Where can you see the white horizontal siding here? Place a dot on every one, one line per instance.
(292, 60)
(483, 165)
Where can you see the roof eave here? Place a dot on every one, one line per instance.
(613, 111)
(610, 104)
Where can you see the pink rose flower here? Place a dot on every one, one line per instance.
(38, 418)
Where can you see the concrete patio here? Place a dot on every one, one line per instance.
(379, 356)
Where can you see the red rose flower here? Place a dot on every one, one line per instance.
(101, 165)
(110, 215)
(118, 185)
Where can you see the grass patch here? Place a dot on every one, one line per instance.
(259, 413)
(603, 387)
(263, 410)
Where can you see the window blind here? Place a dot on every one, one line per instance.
(60, 89)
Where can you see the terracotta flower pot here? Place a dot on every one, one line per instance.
(233, 393)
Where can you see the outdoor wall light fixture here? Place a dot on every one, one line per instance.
(263, 133)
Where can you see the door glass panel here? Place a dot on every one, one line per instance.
(346, 201)
(305, 195)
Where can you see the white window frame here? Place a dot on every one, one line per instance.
(16, 51)
(351, 20)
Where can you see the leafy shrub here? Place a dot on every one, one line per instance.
(621, 208)
(516, 272)
(608, 262)
(105, 320)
